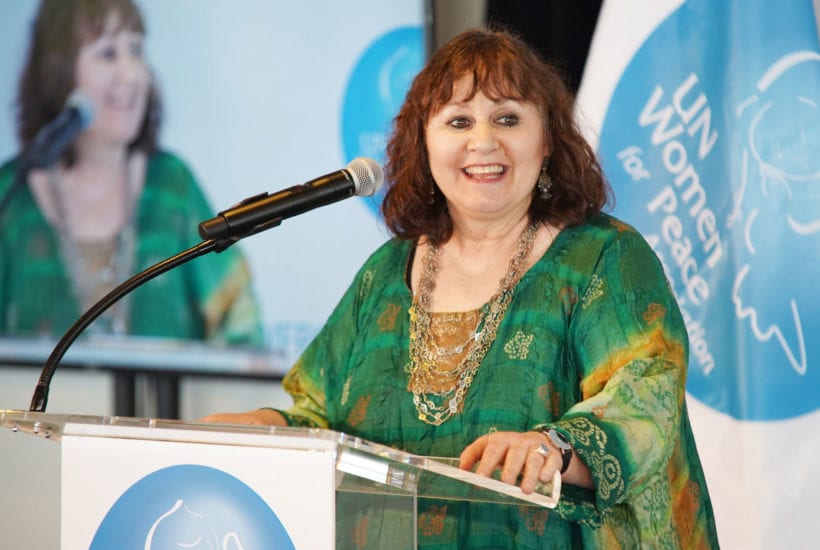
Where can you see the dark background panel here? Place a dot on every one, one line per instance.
(561, 30)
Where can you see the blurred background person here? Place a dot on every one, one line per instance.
(114, 204)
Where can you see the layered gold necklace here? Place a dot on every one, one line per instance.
(438, 381)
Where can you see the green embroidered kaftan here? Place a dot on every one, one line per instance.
(592, 344)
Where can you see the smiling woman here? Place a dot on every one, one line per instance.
(114, 203)
(112, 72)
(485, 154)
(510, 323)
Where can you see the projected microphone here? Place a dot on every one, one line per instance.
(362, 177)
(53, 138)
(50, 142)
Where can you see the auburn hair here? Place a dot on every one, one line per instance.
(59, 30)
(501, 66)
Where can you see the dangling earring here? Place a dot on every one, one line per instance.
(544, 181)
(432, 199)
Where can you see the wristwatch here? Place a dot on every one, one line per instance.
(562, 444)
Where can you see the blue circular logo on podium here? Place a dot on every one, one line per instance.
(192, 507)
(376, 91)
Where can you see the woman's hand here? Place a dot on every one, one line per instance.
(517, 454)
(258, 417)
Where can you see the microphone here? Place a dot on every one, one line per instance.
(362, 177)
(50, 142)
(53, 138)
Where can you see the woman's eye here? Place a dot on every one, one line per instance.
(459, 122)
(108, 53)
(508, 120)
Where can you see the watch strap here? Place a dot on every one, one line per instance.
(561, 443)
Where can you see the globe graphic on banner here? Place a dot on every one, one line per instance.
(375, 92)
(193, 507)
(719, 171)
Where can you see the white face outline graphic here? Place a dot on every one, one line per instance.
(779, 167)
(194, 525)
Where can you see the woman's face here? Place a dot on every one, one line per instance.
(486, 155)
(113, 74)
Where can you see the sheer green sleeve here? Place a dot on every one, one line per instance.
(628, 343)
(317, 372)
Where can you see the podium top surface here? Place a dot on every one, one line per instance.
(361, 465)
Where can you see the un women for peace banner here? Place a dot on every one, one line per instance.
(706, 118)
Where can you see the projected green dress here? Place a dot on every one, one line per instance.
(209, 297)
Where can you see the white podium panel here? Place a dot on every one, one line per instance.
(242, 492)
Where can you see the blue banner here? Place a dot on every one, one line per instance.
(712, 143)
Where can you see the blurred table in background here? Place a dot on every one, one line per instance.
(157, 362)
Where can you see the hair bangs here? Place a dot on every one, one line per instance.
(90, 23)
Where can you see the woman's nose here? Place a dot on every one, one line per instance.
(130, 67)
(483, 138)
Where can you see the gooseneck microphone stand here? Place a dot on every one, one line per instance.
(40, 397)
(253, 215)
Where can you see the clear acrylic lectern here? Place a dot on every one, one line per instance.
(146, 483)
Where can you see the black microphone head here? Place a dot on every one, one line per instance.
(80, 103)
(367, 175)
(51, 140)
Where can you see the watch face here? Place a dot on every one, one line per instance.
(559, 440)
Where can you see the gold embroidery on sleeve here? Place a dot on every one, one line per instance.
(653, 313)
(593, 292)
(609, 470)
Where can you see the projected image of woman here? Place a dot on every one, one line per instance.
(114, 203)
